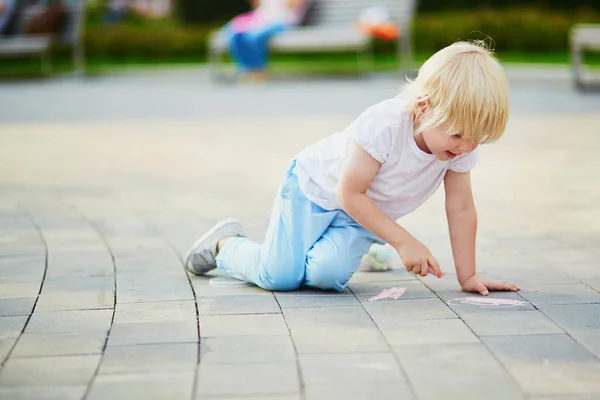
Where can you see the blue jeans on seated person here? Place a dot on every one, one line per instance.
(250, 49)
(305, 245)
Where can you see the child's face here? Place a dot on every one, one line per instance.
(444, 146)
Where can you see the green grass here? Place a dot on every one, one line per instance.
(329, 64)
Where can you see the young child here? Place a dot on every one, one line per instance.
(344, 193)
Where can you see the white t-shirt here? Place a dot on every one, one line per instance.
(408, 176)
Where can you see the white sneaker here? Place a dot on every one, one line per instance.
(201, 258)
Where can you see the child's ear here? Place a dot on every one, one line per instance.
(421, 108)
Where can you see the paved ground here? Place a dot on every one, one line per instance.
(104, 184)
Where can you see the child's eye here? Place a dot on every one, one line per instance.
(458, 135)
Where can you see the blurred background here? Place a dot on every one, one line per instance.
(113, 34)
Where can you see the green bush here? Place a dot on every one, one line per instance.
(511, 31)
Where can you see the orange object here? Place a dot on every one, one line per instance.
(384, 30)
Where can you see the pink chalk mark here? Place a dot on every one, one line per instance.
(488, 302)
(393, 293)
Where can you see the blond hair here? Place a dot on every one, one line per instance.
(465, 87)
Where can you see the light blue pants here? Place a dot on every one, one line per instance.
(250, 49)
(304, 245)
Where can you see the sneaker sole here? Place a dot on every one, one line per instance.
(236, 229)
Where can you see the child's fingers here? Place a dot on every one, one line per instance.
(424, 268)
(437, 270)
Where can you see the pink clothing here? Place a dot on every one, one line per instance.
(269, 12)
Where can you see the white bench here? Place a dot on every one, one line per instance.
(332, 27)
(583, 37)
(19, 45)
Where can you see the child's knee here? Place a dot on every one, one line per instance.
(332, 274)
(280, 281)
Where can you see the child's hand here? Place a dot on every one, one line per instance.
(418, 260)
(483, 286)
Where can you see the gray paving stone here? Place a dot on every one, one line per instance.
(344, 368)
(78, 284)
(527, 277)
(27, 269)
(260, 397)
(43, 393)
(133, 288)
(63, 301)
(153, 332)
(5, 346)
(574, 316)
(11, 327)
(13, 307)
(334, 330)
(456, 371)
(17, 290)
(247, 350)
(574, 397)
(580, 379)
(456, 301)
(243, 325)
(589, 338)
(561, 294)
(433, 331)
(60, 344)
(248, 379)
(359, 391)
(49, 371)
(150, 386)
(510, 323)
(202, 287)
(79, 264)
(388, 314)
(160, 311)
(249, 304)
(386, 276)
(537, 349)
(145, 358)
(69, 321)
(593, 283)
(313, 301)
(414, 290)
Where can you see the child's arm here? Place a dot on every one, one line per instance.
(357, 175)
(462, 222)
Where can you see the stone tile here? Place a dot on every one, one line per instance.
(388, 314)
(13, 307)
(510, 323)
(526, 277)
(11, 327)
(344, 368)
(78, 284)
(202, 287)
(140, 287)
(156, 386)
(24, 269)
(456, 371)
(43, 393)
(561, 294)
(243, 325)
(63, 301)
(359, 391)
(537, 349)
(60, 344)
(558, 379)
(49, 371)
(260, 397)
(248, 304)
(334, 330)
(69, 321)
(143, 358)
(153, 332)
(182, 310)
(574, 316)
(385, 276)
(247, 350)
(79, 264)
(414, 290)
(457, 301)
(432, 331)
(589, 338)
(308, 291)
(248, 379)
(18, 290)
(594, 284)
(314, 301)
(5, 346)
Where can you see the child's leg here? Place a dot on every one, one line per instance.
(280, 263)
(336, 256)
(258, 43)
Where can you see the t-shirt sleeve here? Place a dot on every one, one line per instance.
(466, 162)
(372, 130)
